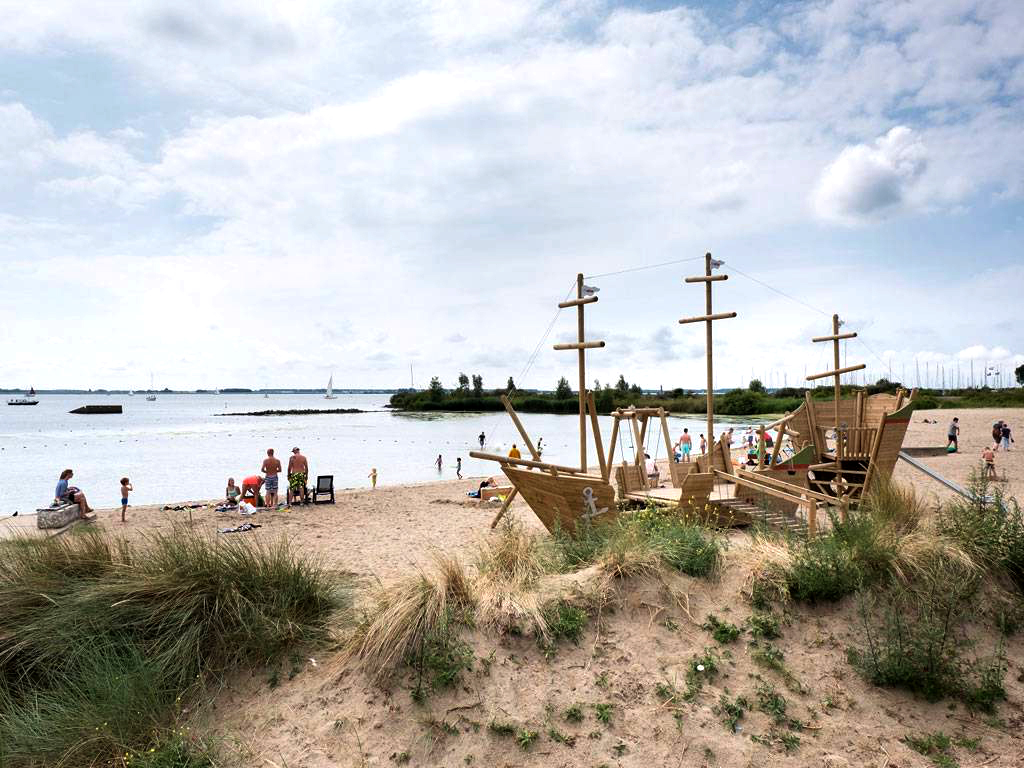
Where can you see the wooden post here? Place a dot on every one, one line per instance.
(519, 425)
(638, 452)
(668, 438)
(596, 428)
(778, 443)
(581, 346)
(708, 318)
(504, 507)
(760, 447)
(611, 446)
(812, 518)
(583, 374)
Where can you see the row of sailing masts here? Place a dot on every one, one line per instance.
(587, 295)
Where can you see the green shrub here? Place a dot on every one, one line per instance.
(910, 638)
(990, 528)
(722, 631)
(764, 626)
(564, 621)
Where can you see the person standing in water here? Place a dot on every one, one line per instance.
(703, 445)
(458, 467)
(438, 463)
(514, 453)
(540, 447)
(482, 439)
(373, 477)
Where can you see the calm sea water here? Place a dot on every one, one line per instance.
(179, 447)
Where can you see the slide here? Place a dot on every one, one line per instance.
(937, 477)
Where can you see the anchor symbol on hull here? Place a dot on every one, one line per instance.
(590, 510)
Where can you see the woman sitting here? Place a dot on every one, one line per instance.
(231, 493)
(69, 494)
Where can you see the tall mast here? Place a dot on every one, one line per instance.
(581, 345)
(708, 318)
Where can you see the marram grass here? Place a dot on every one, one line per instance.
(101, 639)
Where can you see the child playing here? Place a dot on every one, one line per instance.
(232, 492)
(458, 467)
(990, 462)
(126, 487)
(373, 477)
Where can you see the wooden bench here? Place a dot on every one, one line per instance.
(488, 493)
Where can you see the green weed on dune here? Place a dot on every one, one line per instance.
(102, 640)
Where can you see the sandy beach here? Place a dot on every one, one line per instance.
(382, 533)
(319, 719)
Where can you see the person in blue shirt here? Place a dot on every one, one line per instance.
(69, 494)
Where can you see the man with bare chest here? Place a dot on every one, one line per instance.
(271, 468)
(298, 471)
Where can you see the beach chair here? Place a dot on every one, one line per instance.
(324, 487)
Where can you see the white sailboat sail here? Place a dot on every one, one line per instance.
(330, 389)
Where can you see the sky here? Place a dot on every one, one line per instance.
(265, 194)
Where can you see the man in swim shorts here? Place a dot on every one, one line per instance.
(298, 471)
(686, 443)
(271, 467)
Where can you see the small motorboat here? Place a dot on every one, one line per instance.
(28, 399)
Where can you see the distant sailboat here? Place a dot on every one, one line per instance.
(131, 393)
(152, 394)
(330, 389)
(216, 391)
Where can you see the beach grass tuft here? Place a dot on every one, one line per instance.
(101, 640)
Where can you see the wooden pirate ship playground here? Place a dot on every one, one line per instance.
(817, 465)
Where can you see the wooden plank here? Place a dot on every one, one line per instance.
(519, 426)
(525, 462)
(707, 318)
(580, 345)
(595, 427)
(611, 445)
(577, 302)
(837, 372)
(504, 506)
(705, 279)
(836, 337)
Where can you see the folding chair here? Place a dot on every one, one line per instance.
(324, 487)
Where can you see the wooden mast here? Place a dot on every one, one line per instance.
(707, 278)
(581, 346)
(836, 373)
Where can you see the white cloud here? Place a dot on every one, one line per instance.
(981, 352)
(865, 181)
(441, 170)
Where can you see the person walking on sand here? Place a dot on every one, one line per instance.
(373, 477)
(458, 467)
(514, 453)
(997, 434)
(126, 488)
(271, 468)
(482, 440)
(989, 455)
(1007, 436)
(298, 471)
(952, 434)
(69, 494)
(439, 463)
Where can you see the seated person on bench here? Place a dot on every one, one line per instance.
(653, 474)
(488, 483)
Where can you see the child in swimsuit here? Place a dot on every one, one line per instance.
(126, 488)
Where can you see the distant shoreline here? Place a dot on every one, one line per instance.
(297, 412)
